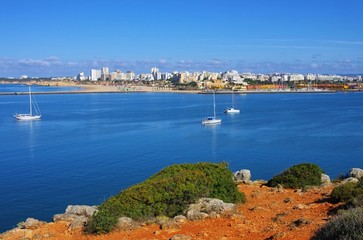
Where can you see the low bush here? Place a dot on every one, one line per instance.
(348, 225)
(169, 193)
(298, 176)
(351, 193)
(344, 193)
(102, 222)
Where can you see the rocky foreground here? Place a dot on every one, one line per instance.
(269, 213)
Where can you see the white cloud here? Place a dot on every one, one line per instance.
(53, 66)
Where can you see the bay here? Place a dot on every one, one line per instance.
(8, 88)
(88, 147)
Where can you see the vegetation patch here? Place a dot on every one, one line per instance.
(348, 225)
(351, 193)
(167, 193)
(298, 176)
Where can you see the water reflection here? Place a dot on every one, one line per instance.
(213, 130)
(27, 133)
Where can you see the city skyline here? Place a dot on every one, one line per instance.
(45, 38)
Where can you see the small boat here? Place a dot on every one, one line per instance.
(30, 115)
(214, 119)
(232, 109)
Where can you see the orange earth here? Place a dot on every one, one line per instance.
(269, 213)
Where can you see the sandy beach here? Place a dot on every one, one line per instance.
(126, 88)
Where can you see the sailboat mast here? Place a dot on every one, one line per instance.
(30, 102)
(214, 105)
(232, 99)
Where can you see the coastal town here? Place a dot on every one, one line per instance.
(204, 80)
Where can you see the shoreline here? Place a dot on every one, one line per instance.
(146, 89)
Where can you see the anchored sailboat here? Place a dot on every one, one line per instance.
(232, 109)
(30, 115)
(214, 119)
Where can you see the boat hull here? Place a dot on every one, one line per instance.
(27, 117)
(232, 110)
(211, 121)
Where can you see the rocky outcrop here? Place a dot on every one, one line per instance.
(356, 173)
(349, 179)
(325, 179)
(242, 176)
(78, 222)
(76, 215)
(81, 210)
(196, 215)
(125, 223)
(180, 219)
(31, 223)
(210, 207)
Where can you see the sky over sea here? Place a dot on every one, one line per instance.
(62, 38)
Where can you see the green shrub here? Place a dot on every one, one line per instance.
(351, 193)
(349, 225)
(170, 191)
(344, 193)
(298, 176)
(102, 222)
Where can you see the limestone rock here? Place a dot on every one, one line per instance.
(79, 222)
(180, 219)
(196, 215)
(64, 217)
(356, 173)
(350, 179)
(32, 223)
(325, 178)
(243, 175)
(169, 225)
(181, 237)
(125, 223)
(81, 210)
(206, 206)
(209, 205)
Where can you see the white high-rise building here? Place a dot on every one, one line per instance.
(95, 74)
(105, 75)
(156, 74)
(105, 70)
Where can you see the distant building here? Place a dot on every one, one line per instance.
(250, 76)
(105, 74)
(156, 74)
(117, 75)
(146, 77)
(130, 75)
(232, 76)
(165, 76)
(296, 77)
(23, 76)
(81, 77)
(310, 77)
(95, 74)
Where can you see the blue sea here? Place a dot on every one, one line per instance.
(88, 147)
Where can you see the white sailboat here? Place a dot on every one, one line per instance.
(214, 119)
(232, 109)
(30, 115)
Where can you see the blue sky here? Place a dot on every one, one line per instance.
(63, 38)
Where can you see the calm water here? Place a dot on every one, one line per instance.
(88, 147)
(35, 88)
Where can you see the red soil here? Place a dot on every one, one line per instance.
(268, 213)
